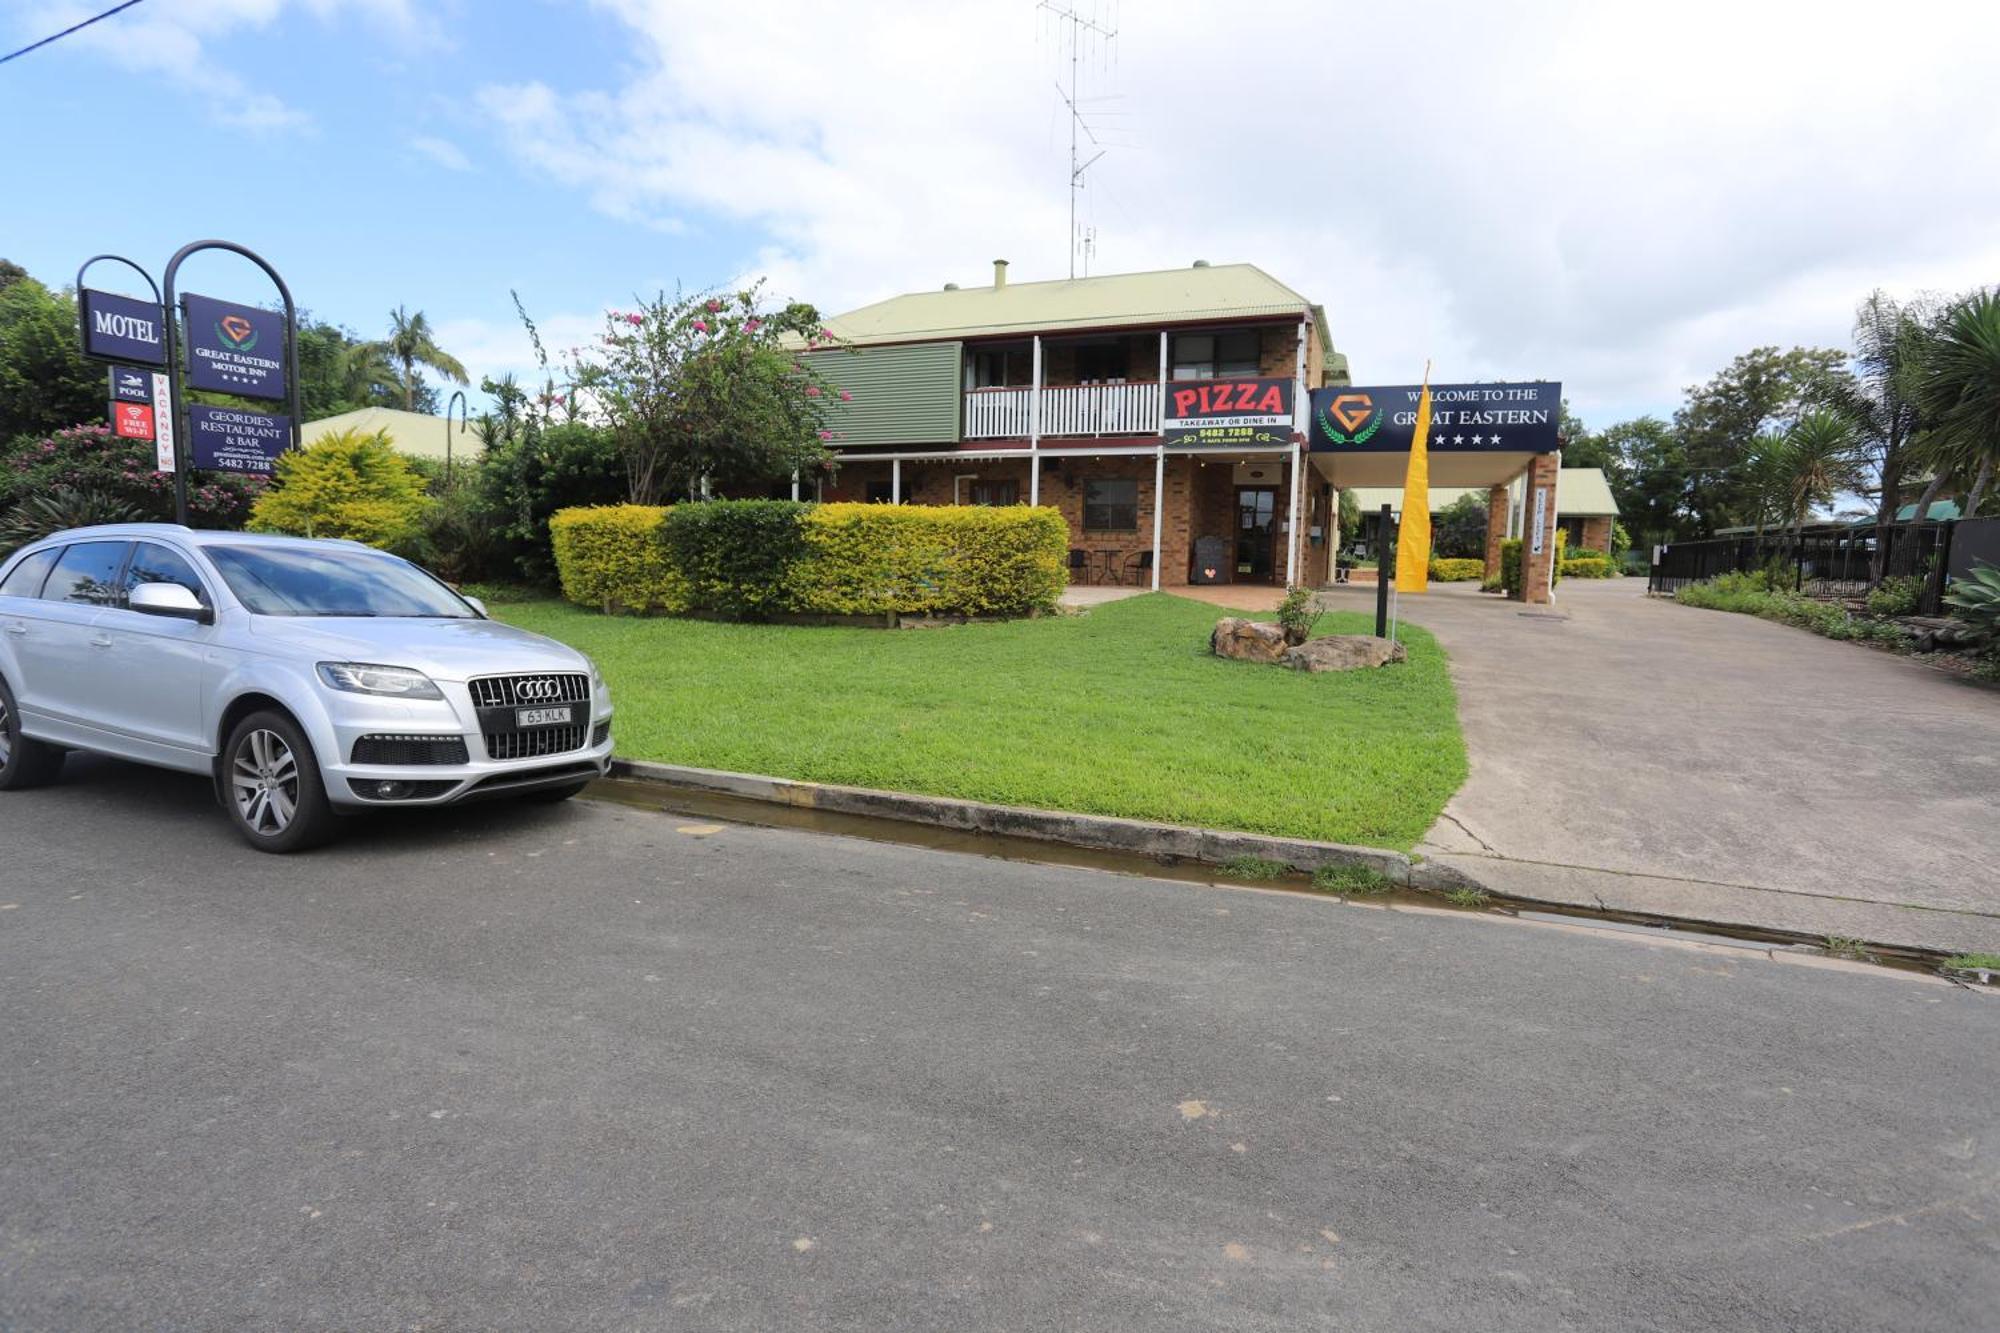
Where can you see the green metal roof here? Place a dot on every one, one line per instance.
(1178, 295)
(1581, 492)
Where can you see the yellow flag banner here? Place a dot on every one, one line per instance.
(1413, 534)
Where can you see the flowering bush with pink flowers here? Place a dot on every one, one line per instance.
(708, 391)
(91, 459)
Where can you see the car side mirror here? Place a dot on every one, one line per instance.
(476, 605)
(171, 600)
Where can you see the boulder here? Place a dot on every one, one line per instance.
(1249, 640)
(1342, 652)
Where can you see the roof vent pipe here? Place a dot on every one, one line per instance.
(999, 274)
(1201, 263)
(951, 286)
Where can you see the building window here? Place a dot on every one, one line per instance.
(1111, 505)
(1207, 356)
(1102, 363)
(993, 492)
(1000, 368)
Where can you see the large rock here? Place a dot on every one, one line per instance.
(1342, 652)
(1249, 640)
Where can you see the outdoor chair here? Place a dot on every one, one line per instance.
(1079, 562)
(1140, 565)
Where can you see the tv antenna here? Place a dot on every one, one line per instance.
(1078, 30)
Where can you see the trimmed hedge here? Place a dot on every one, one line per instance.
(754, 558)
(1591, 566)
(736, 555)
(866, 559)
(1510, 562)
(610, 557)
(1452, 569)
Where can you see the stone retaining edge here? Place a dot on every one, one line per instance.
(1098, 832)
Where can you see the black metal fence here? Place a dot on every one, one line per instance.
(1826, 561)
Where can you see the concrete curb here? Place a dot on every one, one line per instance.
(1166, 842)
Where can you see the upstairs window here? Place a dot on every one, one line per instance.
(1102, 363)
(1000, 368)
(1208, 356)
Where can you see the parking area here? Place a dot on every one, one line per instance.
(1629, 752)
(599, 1067)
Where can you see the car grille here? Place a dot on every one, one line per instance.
(409, 750)
(529, 691)
(533, 744)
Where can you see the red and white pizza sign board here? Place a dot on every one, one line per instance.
(132, 421)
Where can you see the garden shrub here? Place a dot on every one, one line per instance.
(1588, 567)
(868, 559)
(346, 485)
(90, 460)
(524, 479)
(736, 556)
(1975, 603)
(1748, 592)
(1455, 570)
(612, 557)
(1510, 562)
(1896, 595)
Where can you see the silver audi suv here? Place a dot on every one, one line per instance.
(306, 677)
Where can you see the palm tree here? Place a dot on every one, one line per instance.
(1889, 345)
(1819, 458)
(410, 344)
(1959, 395)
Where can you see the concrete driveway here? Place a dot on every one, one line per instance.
(595, 1067)
(1639, 754)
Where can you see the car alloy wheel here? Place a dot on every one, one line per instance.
(264, 779)
(6, 740)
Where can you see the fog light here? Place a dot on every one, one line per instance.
(391, 791)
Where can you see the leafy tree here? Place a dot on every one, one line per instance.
(45, 384)
(707, 391)
(1819, 457)
(1458, 531)
(346, 485)
(1760, 391)
(1959, 395)
(410, 344)
(10, 273)
(1650, 480)
(1890, 339)
(1350, 518)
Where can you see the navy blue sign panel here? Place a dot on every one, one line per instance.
(131, 386)
(1465, 418)
(119, 328)
(236, 349)
(229, 439)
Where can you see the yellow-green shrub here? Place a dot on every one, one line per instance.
(347, 485)
(867, 559)
(1591, 566)
(611, 557)
(1456, 570)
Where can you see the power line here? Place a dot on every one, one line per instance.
(74, 27)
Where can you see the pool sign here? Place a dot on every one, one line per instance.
(132, 421)
(236, 349)
(131, 385)
(230, 439)
(119, 328)
(1465, 418)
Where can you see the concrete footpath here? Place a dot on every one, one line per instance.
(1635, 754)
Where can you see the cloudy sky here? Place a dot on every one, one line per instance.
(1619, 197)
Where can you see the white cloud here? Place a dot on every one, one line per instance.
(173, 40)
(1616, 196)
(441, 152)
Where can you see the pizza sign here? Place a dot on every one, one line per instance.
(1244, 412)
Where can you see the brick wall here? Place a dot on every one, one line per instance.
(1597, 534)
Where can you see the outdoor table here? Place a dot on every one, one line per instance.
(1111, 571)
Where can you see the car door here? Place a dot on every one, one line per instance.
(150, 675)
(19, 592)
(58, 663)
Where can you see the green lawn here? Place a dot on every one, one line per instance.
(1122, 711)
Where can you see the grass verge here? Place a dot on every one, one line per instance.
(1122, 711)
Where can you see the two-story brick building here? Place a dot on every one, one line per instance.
(1054, 393)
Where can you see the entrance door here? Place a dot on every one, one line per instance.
(1256, 512)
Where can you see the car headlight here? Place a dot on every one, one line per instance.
(367, 678)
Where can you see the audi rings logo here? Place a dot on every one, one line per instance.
(538, 689)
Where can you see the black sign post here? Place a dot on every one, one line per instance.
(229, 349)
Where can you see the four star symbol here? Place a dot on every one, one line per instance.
(1475, 439)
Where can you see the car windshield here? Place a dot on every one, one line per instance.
(297, 581)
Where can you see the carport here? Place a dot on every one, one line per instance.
(1482, 435)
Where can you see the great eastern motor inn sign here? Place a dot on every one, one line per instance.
(1505, 418)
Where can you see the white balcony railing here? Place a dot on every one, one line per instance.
(1071, 409)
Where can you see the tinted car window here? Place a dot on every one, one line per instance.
(153, 563)
(302, 581)
(25, 579)
(88, 573)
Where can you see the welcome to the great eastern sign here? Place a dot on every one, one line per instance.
(1505, 418)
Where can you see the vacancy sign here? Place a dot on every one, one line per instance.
(163, 423)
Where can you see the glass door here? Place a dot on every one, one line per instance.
(1256, 511)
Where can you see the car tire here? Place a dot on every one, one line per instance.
(555, 795)
(271, 786)
(24, 761)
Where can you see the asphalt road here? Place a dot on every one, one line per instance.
(596, 1067)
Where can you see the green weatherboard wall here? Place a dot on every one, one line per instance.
(906, 394)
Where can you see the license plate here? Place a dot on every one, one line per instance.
(544, 717)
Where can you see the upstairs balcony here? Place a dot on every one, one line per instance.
(1068, 409)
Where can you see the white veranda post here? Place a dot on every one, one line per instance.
(1159, 503)
(895, 481)
(1035, 425)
